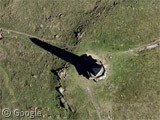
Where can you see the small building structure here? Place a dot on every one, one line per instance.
(94, 68)
(98, 72)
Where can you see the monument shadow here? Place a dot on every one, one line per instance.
(83, 63)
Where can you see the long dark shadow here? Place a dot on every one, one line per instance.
(65, 55)
(83, 64)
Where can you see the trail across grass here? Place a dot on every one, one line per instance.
(32, 36)
(6, 79)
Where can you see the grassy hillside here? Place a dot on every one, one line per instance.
(131, 90)
(129, 24)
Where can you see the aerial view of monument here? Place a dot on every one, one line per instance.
(80, 59)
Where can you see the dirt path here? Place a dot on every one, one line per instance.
(149, 46)
(94, 104)
(2, 54)
(7, 82)
(141, 48)
(32, 36)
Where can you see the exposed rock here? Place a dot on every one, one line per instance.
(61, 90)
(63, 102)
(31, 108)
(152, 46)
(1, 36)
(41, 26)
(57, 36)
(63, 73)
(30, 85)
(58, 106)
(44, 116)
(60, 14)
(50, 117)
(109, 116)
(47, 109)
(34, 76)
(80, 35)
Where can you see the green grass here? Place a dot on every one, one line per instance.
(131, 90)
(39, 18)
(128, 25)
(136, 79)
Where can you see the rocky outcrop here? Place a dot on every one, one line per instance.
(61, 74)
